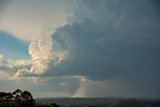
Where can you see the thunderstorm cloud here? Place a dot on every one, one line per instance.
(113, 45)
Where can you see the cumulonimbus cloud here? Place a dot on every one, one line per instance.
(103, 40)
(99, 41)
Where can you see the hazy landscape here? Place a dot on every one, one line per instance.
(101, 102)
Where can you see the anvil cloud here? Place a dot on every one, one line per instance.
(113, 45)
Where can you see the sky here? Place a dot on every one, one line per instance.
(80, 48)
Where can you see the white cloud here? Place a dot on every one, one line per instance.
(1, 57)
(4, 75)
(41, 56)
(39, 62)
(43, 51)
(11, 64)
(81, 78)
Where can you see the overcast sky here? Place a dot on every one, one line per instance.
(66, 48)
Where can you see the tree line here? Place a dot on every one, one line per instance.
(20, 98)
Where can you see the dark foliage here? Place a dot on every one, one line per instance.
(16, 99)
(20, 98)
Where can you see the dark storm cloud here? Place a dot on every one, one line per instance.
(3, 4)
(110, 39)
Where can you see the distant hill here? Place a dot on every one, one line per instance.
(101, 102)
